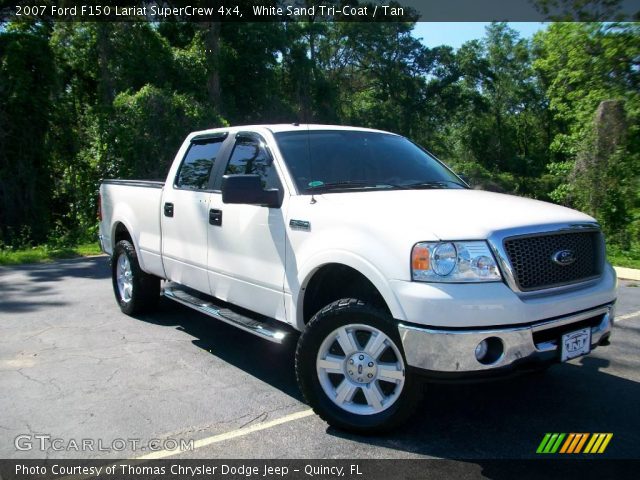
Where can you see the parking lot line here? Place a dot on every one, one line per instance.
(627, 316)
(228, 435)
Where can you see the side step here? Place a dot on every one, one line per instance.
(259, 325)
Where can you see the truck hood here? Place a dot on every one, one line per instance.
(451, 214)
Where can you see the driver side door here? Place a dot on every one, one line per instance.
(246, 245)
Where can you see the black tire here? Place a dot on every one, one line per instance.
(145, 289)
(356, 316)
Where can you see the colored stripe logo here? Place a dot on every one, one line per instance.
(574, 443)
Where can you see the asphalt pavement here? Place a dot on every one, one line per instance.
(75, 372)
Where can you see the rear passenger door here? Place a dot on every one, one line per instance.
(185, 213)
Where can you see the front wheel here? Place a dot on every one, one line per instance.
(135, 290)
(351, 368)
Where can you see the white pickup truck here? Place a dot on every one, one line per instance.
(387, 263)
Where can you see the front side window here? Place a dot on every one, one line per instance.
(334, 160)
(250, 157)
(197, 165)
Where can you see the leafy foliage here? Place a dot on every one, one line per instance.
(592, 81)
(84, 101)
(27, 80)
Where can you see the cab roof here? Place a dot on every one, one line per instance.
(287, 127)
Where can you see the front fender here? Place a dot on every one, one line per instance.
(350, 259)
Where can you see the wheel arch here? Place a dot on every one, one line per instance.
(338, 269)
(121, 230)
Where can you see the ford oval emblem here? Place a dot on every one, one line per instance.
(564, 257)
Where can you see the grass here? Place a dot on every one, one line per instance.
(46, 253)
(624, 258)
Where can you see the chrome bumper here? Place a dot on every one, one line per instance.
(454, 350)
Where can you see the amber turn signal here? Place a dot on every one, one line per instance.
(420, 258)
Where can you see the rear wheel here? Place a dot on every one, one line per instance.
(135, 290)
(351, 368)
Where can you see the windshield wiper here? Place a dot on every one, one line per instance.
(349, 184)
(433, 184)
(356, 184)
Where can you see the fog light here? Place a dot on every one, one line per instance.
(481, 350)
(490, 351)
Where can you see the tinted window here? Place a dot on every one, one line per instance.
(249, 157)
(369, 159)
(197, 165)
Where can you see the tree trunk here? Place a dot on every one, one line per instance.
(212, 44)
(106, 87)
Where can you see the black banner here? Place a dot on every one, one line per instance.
(322, 10)
(317, 469)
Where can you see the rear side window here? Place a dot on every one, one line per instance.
(197, 165)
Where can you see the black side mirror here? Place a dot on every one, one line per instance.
(247, 189)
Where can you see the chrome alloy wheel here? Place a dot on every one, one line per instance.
(360, 369)
(124, 278)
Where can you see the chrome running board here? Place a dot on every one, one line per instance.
(263, 328)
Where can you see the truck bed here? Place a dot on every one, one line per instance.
(135, 183)
(136, 204)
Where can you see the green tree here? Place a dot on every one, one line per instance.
(491, 111)
(377, 72)
(586, 67)
(27, 79)
(148, 127)
(582, 65)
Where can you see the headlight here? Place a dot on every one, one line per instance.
(453, 262)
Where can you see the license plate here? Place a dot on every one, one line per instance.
(576, 344)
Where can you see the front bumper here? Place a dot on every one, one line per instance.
(453, 350)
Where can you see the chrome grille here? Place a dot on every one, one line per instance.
(534, 268)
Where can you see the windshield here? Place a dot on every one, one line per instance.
(338, 160)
